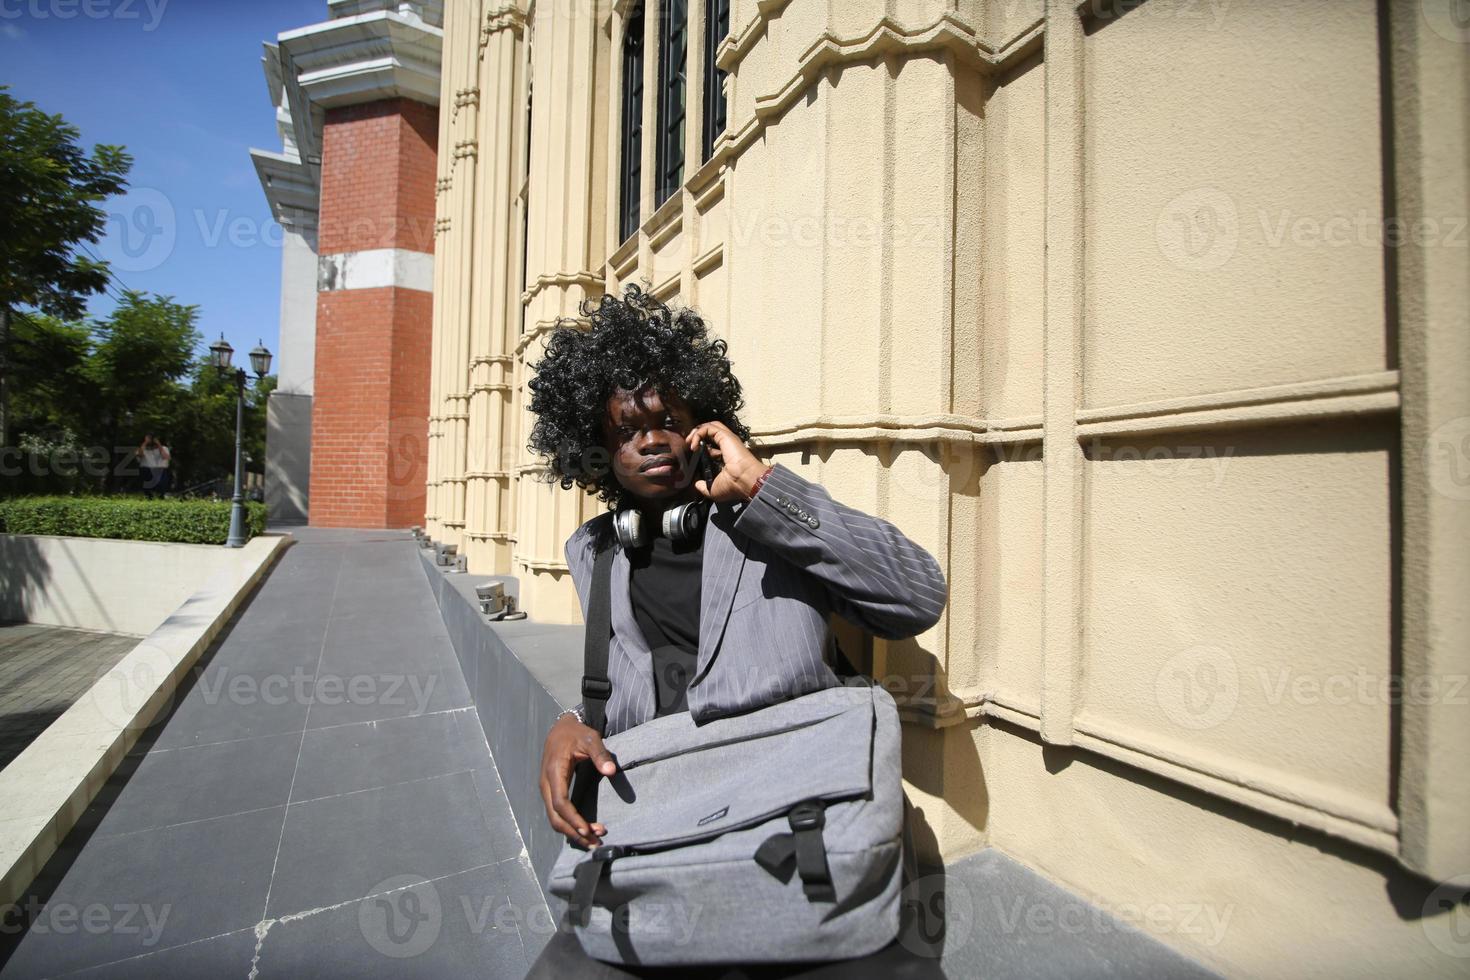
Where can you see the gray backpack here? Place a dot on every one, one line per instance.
(773, 835)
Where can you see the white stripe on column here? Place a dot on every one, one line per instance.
(375, 268)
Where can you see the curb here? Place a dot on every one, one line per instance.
(49, 785)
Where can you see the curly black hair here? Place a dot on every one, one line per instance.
(634, 343)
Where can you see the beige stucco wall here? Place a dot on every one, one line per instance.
(1152, 327)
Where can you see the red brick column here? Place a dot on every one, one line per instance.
(369, 423)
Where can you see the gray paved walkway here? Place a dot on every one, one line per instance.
(43, 670)
(320, 802)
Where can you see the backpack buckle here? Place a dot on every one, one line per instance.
(596, 688)
(807, 815)
(608, 852)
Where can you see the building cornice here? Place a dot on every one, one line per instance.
(287, 183)
(367, 57)
(364, 54)
(430, 11)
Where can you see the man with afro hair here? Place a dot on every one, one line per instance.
(734, 617)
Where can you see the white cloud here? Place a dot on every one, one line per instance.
(12, 32)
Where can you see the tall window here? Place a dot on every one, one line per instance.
(525, 194)
(632, 124)
(673, 44)
(716, 26)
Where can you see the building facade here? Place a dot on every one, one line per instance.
(356, 100)
(1148, 319)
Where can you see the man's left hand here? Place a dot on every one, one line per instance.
(740, 468)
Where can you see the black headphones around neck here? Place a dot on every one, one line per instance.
(683, 522)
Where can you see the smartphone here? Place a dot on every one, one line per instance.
(705, 466)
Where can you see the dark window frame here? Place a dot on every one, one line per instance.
(631, 138)
(673, 109)
(716, 27)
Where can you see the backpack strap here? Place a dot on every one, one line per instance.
(841, 664)
(585, 880)
(596, 687)
(802, 850)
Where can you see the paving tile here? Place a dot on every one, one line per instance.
(354, 650)
(198, 782)
(222, 704)
(196, 880)
(259, 646)
(390, 781)
(43, 671)
(339, 848)
(376, 695)
(221, 956)
(500, 824)
(528, 905)
(988, 935)
(459, 926)
(380, 753)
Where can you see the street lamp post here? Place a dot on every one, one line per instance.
(260, 363)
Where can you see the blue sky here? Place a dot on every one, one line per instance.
(179, 84)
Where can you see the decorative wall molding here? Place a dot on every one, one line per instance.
(887, 37)
(587, 280)
(509, 17)
(1331, 397)
(710, 259)
(1369, 825)
(1365, 394)
(738, 43)
(669, 288)
(490, 535)
(876, 427)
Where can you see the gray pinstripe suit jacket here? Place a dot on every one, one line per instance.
(773, 569)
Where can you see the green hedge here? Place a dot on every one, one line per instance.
(131, 518)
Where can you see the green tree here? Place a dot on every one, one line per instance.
(49, 192)
(202, 431)
(94, 389)
(49, 414)
(142, 351)
(49, 359)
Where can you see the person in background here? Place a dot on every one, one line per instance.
(154, 459)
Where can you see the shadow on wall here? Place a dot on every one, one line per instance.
(288, 458)
(24, 573)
